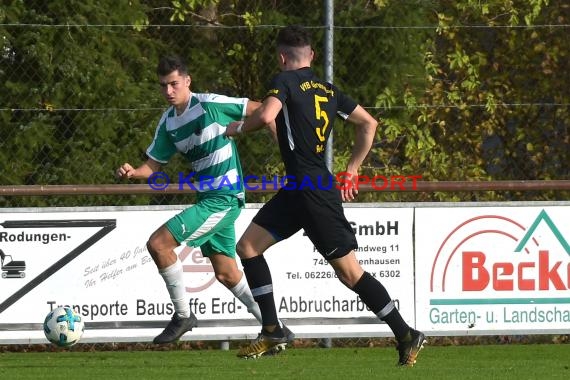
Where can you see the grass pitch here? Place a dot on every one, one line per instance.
(534, 361)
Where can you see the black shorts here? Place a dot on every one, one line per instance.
(318, 212)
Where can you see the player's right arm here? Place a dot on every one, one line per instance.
(159, 152)
(127, 171)
(264, 115)
(271, 127)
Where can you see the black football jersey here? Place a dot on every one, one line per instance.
(305, 122)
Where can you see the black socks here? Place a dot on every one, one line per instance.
(261, 285)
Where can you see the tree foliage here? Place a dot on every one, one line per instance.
(465, 90)
(498, 73)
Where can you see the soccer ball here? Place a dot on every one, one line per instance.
(63, 327)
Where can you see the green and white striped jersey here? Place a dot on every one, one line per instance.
(198, 134)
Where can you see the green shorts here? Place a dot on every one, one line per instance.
(209, 224)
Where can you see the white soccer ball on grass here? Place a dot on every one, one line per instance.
(63, 327)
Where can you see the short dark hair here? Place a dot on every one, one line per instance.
(171, 63)
(294, 36)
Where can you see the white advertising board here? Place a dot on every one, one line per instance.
(96, 261)
(492, 270)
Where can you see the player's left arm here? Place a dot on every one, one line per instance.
(365, 128)
(263, 116)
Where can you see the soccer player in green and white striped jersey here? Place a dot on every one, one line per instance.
(194, 126)
(198, 134)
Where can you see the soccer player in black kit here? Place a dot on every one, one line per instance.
(303, 108)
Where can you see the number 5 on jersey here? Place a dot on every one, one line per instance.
(321, 115)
